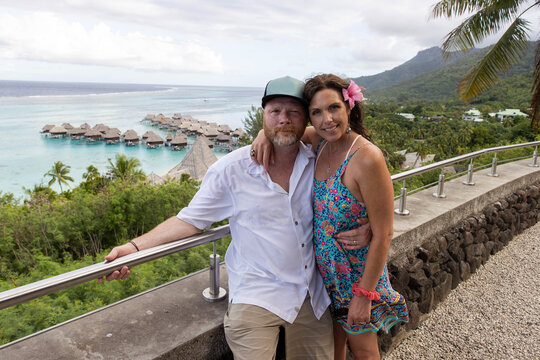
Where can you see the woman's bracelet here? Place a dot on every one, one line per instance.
(371, 295)
(133, 243)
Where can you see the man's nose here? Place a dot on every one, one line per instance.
(284, 118)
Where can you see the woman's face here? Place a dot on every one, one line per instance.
(329, 114)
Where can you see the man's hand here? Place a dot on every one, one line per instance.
(117, 252)
(356, 238)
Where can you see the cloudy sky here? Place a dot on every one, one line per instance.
(210, 42)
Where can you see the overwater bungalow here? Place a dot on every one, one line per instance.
(223, 138)
(76, 133)
(179, 141)
(111, 137)
(85, 126)
(67, 126)
(102, 128)
(153, 141)
(46, 129)
(93, 135)
(147, 134)
(210, 132)
(148, 118)
(130, 138)
(238, 133)
(168, 138)
(177, 116)
(225, 129)
(57, 132)
(116, 130)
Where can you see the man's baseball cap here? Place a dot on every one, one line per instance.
(284, 86)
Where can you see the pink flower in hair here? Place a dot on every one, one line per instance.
(352, 93)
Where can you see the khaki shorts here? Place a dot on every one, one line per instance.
(252, 333)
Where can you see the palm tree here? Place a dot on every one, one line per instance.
(488, 17)
(59, 173)
(125, 168)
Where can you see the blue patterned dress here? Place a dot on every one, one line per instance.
(335, 210)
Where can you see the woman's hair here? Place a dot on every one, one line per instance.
(331, 81)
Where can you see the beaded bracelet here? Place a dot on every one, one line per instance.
(371, 295)
(133, 243)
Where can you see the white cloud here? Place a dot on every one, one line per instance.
(43, 36)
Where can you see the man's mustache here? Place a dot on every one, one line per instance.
(285, 128)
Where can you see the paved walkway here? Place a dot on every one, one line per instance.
(493, 315)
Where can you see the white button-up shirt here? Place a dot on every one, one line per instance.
(270, 261)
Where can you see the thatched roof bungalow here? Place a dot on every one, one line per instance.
(225, 129)
(210, 132)
(76, 132)
(223, 138)
(85, 126)
(154, 139)
(58, 130)
(197, 161)
(102, 128)
(238, 133)
(93, 134)
(67, 126)
(46, 128)
(111, 135)
(179, 140)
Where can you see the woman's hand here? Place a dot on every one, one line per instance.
(356, 238)
(359, 311)
(262, 150)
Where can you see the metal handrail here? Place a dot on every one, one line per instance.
(47, 286)
(214, 292)
(440, 164)
(402, 209)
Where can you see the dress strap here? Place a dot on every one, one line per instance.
(348, 152)
(319, 150)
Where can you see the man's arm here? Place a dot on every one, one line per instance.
(170, 230)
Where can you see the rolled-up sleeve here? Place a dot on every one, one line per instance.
(213, 201)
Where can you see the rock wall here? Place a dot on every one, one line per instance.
(426, 274)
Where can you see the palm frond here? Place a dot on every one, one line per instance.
(505, 53)
(535, 101)
(450, 8)
(476, 28)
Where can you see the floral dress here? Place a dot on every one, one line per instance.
(335, 210)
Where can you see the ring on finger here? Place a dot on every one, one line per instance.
(252, 152)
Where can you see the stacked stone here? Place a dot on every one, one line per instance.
(426, 275)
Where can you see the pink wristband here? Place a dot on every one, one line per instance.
(371, 295)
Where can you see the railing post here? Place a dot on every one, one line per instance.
(469, 174)
(494, 167)
(440, 188)
(535, 157)
(402, 202)
(214, 292)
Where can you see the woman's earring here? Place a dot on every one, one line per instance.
(348, 130)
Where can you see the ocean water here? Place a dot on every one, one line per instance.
(25, 107)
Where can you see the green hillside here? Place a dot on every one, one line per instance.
(425, 61)
(440, 85)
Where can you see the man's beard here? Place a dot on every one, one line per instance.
(283, 135)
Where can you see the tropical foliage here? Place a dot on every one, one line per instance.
(488, 18)
(59, 174)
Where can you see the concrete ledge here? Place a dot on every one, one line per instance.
(430, 215)
(170, 322)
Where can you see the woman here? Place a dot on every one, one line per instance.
(351, 181)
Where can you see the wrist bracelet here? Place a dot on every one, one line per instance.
(371, 295)
(133, 243)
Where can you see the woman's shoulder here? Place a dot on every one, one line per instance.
(367, 155)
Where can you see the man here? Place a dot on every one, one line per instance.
(273, 280)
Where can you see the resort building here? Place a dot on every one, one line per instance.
(407, 116)
(472, 115)
(508, 113)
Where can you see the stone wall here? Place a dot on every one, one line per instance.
(426, 274)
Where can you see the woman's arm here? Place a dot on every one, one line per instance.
(370, 178)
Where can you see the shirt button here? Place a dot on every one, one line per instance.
(296, 223)
(305, 267)
(302, 245)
